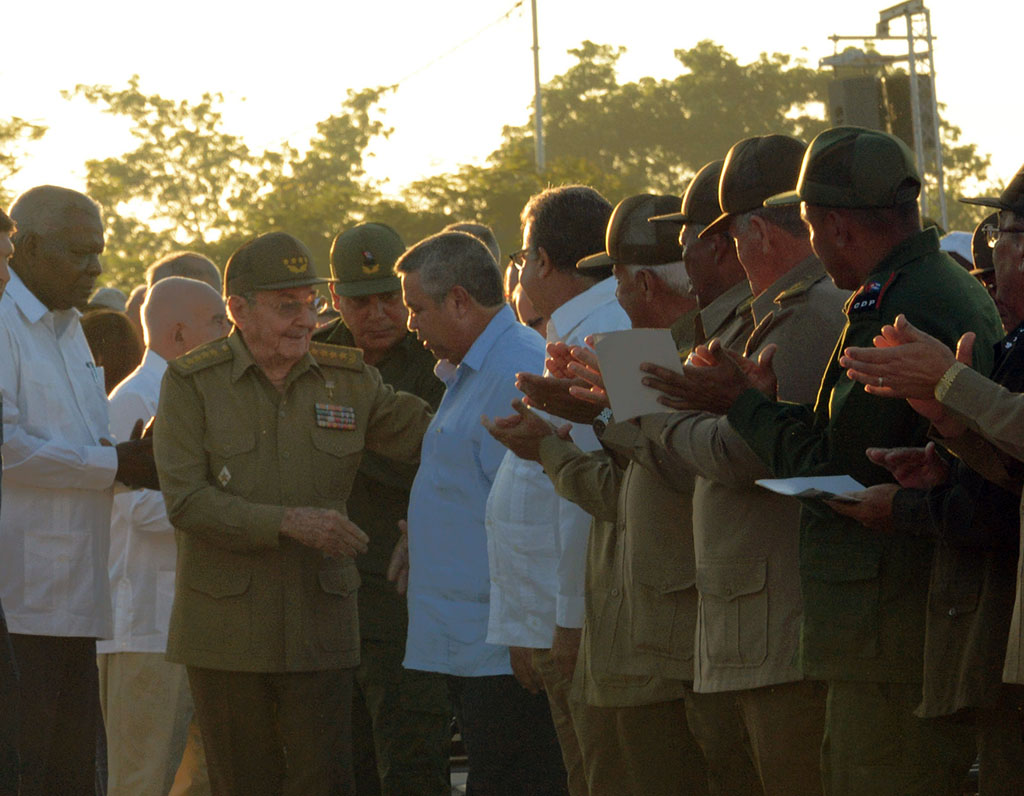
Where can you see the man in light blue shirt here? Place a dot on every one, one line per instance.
(452, 288)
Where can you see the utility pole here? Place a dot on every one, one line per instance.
(538, 135)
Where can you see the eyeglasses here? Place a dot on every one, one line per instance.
(292, 309)
(993, 233)
(518, 258)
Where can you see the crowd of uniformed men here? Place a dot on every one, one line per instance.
(353, 520)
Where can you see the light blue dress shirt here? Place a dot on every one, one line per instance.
(449, 582)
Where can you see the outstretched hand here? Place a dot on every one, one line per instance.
(523, 431)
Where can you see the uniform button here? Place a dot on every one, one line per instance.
(728, 592)
(280, 413)
(615, 592)
(953, 612)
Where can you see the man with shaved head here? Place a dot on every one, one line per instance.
(146, 703)
(59, 467)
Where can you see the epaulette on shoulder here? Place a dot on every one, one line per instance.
(202, 357)
(744, 306)
(337, 355)
(798, 289)
(868, 299)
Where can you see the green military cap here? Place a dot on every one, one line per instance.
(755, 169)
(363, 259)
(631, 239)
(272, 261)
(1012, 199)
(700, 202)
(856, 168)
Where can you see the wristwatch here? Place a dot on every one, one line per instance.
(600, 423)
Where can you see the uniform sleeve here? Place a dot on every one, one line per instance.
(195, 504)
(50, 463)
(590, 480)
(988, 408)
(675, 446)
(397, 421)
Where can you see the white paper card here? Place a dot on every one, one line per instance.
(826, 487)
(620, 355)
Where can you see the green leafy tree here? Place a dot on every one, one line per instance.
(185, 185)
(14, 132)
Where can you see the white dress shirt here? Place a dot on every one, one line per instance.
(142, 550)
(55, 520)
(537, 541)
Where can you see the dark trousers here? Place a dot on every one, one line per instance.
(10, 761)
(59, 708)
(509, 737)
(401, 725)
(278, 734)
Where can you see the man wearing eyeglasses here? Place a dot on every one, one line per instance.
(258, 438)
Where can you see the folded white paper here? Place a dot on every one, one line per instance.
(826, 487)
(620, 355)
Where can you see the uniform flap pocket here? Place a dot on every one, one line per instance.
(839, 563)
(219, 581)
(668, 583)
(732, 578)
(230, 443)
(336, 441)
(339, 580)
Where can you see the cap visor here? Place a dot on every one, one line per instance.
(367, 287)
(595, 261)
(313, 280)
(719, 226)
(781, 199)
(675, 218)
(984, 201)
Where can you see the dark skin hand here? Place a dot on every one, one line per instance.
(713, 380)
(569, 391)
(136, 467)
(523, 431)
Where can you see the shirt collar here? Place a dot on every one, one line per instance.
(908, 250)
(573, 312)
(30, 307)
(503, 319)
(714, 316)
(153, 363)
(805, 269)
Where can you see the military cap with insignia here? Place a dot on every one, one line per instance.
(630, 238)
(700, 202)
(272, 261)
(363, 259)
(853, 167)
(1012, 199)
(755, 169)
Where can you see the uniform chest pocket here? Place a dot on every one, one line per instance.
(232, 458)
(335, 456)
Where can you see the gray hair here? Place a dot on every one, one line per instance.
(672, 274)
(448, 259)
(40, 210)
(190, 265)
(481, 232)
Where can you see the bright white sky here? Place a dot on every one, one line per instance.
(284, 66)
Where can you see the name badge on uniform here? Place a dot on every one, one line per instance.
(334, 416)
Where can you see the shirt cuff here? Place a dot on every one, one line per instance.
(555, 452)
(947, 380)
(741, 413)
(100, 467)
(569, 610)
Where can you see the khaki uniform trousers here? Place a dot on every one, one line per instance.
(153, 744)
(563, 714)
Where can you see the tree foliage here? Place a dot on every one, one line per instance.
(14, 132)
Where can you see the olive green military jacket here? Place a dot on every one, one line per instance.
(232, 453)
(864, 592)
(997, 414)
(747, 539)
(380, 491)
(640, 601)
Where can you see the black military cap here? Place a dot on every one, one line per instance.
(755, 169)
(632, 240)
(700, 202)
(1011, 199)
(272, 261)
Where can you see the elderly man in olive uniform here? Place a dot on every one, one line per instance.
(864, 593)
(401, 720)
(258, 439)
